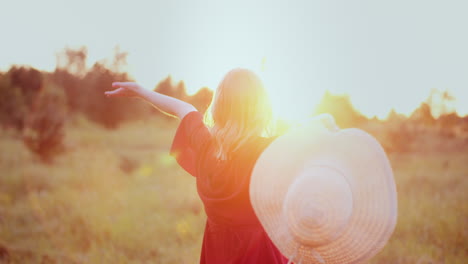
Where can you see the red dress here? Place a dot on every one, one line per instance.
(233, 233)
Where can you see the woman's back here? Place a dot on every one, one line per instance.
(222, 159)
(233, 233)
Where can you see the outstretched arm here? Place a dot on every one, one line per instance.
(166, 104)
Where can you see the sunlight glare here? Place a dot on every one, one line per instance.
(293, 100)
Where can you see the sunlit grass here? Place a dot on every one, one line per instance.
(85, 208)
(115, 196)
(433, 213)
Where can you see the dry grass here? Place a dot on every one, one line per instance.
(117, 197)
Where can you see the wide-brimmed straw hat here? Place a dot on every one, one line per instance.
(325, 195)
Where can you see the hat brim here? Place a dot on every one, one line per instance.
(368, 173)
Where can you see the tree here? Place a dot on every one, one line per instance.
(423, 115)
(105, 111)
(202, 99)
(84, 88)
(166, 87)
(19, 88)
(341, 109)
(440, 102)
(72, 60)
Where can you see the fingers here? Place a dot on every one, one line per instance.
(124, 84)
(128, 89)
(116, 92)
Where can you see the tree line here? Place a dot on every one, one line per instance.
(37, 104)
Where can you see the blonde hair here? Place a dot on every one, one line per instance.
(240, 110)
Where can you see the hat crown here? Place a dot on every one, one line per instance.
(318, 205)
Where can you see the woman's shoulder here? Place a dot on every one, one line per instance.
(193, 116)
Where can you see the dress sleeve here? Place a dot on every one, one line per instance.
(188, 141)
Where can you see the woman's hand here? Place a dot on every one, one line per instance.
(125, 89)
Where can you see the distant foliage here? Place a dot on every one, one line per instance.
(84, 88)
(12, 106)
(167, 87)
(341, 109)
(73, 88)
(18, 89)
(34, 109)
(73, 60)
(97, 107)
(28, 80)
(201, 100)
(400, 137)
(417, 132)
(450, 125)
(423, 115)
(38, 113)
(43, 132)
(440, 102)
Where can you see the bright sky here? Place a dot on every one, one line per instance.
(385, 54)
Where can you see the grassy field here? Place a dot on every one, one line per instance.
(115, 196)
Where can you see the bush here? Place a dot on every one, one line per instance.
(109, 112)
(28, 80)
(341, 108)
(13, 109)
(200, 100)
(18, 89)
(43, 132)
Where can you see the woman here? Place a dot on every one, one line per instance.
(221, 157)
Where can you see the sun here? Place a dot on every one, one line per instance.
(292, 100)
